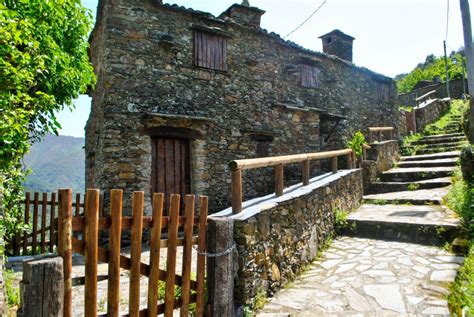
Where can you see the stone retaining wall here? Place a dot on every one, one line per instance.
(277, 236)
(384, 154)
(455, 88)
(430, 112)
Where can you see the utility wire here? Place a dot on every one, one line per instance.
(447, 22)
(307, 19)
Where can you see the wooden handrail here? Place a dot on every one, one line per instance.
(284, 159)
(278, 162)
(425, 95)
(380, 130)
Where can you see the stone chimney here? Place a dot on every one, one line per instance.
(243, 14)
(338, 44)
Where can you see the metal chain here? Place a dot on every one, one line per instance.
(215, 255)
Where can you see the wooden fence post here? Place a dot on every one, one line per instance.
(306, 172)
(91, 207)
(42, 288)
(279, 180)
(27, 221)
(334, 164)
(65, 245)
(220, 269)
(115, 235)
(236, 188)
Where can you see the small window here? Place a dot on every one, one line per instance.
(329, 40)
(263, 149)
(210, 51)
(309, 76)
(383, 91)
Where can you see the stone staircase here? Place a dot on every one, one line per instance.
(406, 204)
(386, 262)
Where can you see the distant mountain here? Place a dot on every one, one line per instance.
(57, 162)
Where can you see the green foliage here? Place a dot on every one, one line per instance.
(340, 219)
(358, 140)
(467, 163)
(413, 186)
(12, 291)
(462, 291)
(433, 66)
(43, 68)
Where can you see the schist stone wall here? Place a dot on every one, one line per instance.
(256, 95)
(277, 236)
(429, 112)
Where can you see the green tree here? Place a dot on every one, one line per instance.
(433, 66)
(44, 66)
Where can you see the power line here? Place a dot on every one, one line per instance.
(447, 22)
(296, 29)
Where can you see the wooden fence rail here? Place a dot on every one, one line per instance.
(278, 162)
(380, 131)
(90, 223)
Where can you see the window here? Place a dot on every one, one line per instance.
(210, 51)
(309, 76)
(383, 91)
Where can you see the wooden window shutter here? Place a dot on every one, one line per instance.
(210, 51)
(309, 76)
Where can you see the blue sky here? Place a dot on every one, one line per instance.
(392, 36)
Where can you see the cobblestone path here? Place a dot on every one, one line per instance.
(386, 264)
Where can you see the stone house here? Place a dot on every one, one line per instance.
(181, 93)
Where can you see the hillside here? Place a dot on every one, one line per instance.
(57, 162)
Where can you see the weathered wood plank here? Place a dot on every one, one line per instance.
(34, 239)
(115, 235)
(44, 207)
(155, 254)
(52, 217)
(171, 256)
(136, 253)
(92, 244)
(187, 254)
(201, 259)
(65, 245)
(27, 221)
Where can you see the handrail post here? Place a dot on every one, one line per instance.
(370, 136)
(349, 161)
(391, 134)
(305, 172)
(380, 136)
(354, 159)
(279, 180)
(364, 153)
(236, 188)
(65, 245)
(334, 164)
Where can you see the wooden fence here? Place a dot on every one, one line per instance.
(278, 162)
(79, 233)
(40, 215)
(91, 223)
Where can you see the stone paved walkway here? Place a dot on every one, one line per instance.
(365, 277)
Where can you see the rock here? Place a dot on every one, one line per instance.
(275, 273)
(443, 276)
(387, 296)
(443, 311)
(357, 301)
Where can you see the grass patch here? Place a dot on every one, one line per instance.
(456, 110)
(413, 186)
(12, 292)
(462, 291)
(340, 219)
(461, 199)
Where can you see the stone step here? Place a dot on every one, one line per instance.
(410, 174)
(435, 156)
(387, 187)
(432, 196)
(429, 163)
(444, 135)
(431, 225)
(437, 150)
(454, 139)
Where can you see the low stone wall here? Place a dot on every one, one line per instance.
(430, 112)
(277, 236)
(384, 154)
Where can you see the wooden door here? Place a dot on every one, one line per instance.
(170, 167)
